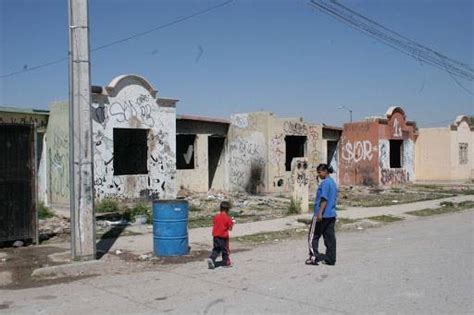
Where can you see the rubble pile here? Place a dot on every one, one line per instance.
(54, 226)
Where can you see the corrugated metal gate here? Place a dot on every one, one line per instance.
(17, 182)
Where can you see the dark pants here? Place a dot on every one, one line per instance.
(326, 228)
(221, 245)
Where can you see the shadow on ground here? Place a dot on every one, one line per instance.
(108, 239)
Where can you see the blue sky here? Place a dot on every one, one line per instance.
(280, 56)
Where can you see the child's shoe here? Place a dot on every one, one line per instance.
(210, 263)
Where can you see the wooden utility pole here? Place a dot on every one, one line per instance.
(83, 245)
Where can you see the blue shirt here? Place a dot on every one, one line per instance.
(327, 190)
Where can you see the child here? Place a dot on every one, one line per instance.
(223, 223)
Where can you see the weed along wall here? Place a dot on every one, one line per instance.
(446, 154)
(262, 148)
(134, 143)
(378, 151)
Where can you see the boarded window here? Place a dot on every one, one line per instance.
(185, 147)
(295, 148)
(396, 149)
(130, 151)
(463, 156)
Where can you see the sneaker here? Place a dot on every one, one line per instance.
(311, 261)
(324, 262)
(210, 263)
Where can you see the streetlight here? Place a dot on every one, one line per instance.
(348, 109)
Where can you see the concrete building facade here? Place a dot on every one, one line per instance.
(22, 171)
(134, 143)
(378, 151)
(446, 154)
(262, 146)
(38, 118)
(201, 148)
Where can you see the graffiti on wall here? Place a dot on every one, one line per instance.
(301, 173)
(295, 128)
(277, 152)
(384, 155)
(354, 152)
(59, 166)
(134, 107)
(138, 109)
(314, 157)
(393, 176)
(408, 159)
(247, 162)
(240, 120)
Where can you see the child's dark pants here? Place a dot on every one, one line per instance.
(221, 245)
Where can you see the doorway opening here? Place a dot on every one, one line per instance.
(295, 148)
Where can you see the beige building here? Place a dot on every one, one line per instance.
(200, 153)
(445, 154)
(262, 146)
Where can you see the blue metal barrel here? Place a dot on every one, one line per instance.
(170, 227)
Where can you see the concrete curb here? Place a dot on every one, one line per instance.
(68, 270)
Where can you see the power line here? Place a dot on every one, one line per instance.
(395, 40)
(119, 41)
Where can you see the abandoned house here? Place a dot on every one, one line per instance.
(378, 151)
(21, 170)
(201, 153)
(446, 154)
(134, 134)
(261, 148)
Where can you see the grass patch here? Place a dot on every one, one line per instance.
(460, 190)
(342, 221)
(385, 218)
(141, 209)
(272, 236)
(338, 207)
(200, 222)
(446, 207)
(294, 207)
(107, 205)
(194, 208)
(382, 200)
(44, 212)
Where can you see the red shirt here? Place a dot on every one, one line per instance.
(222, 225)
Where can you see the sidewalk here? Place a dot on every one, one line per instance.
(198, 237)
(398, 209)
